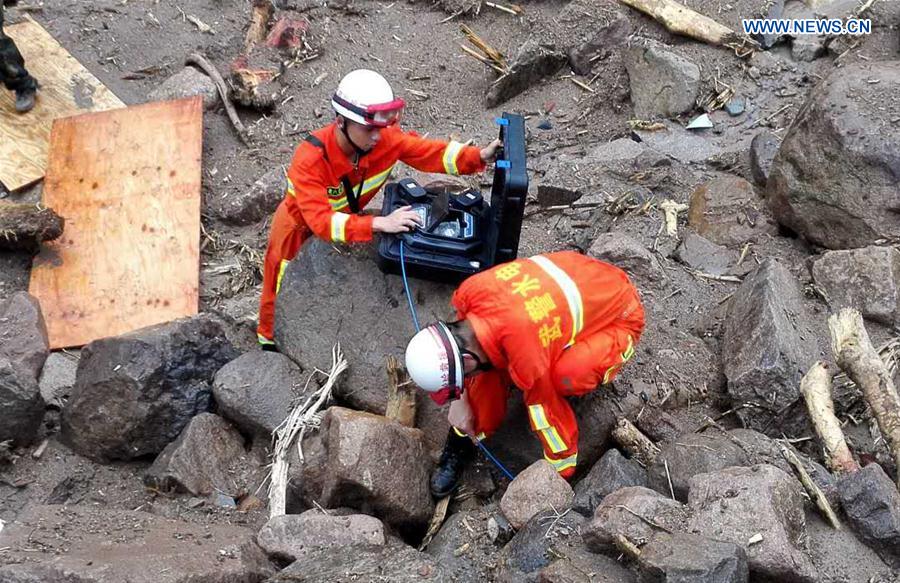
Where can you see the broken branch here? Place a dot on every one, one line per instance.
(259, 23)
(638, 445)
(401, 404)
(815, 493)
(682, 20)
(213, 73)
(816, 388)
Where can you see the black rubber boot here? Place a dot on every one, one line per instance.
(25, 99)
(269, 348)
(458, 451)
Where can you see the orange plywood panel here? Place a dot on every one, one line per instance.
(127, 183)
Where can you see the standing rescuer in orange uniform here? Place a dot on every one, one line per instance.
(556, 325)
(338, 169)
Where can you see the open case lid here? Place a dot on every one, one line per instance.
(509, 189)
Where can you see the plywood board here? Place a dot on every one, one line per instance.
(67, 89)
(127, 183)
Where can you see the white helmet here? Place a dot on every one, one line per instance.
(366, 97)
(433, 359)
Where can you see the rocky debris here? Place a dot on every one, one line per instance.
(872, 504)
(254, 81)
(187, 83)
(701, 254)
(137, 547)
(537, 488)
(767, 346)
(867, 279)
(727, 211)
(613, 472)
(773, 11)
(25, 226)
(633, 512)
(561, 184)
(196, 462)
(841, 556)
(135, 393)
(660, 426)
(692, 558)
(581, 566)
(377, 466)
(834, 180)
(735, 106)
(601, 45)
(737, 504)
(763, 148)
(663, 84)
(257, 203)
(256, 389)
(627, 253)
(290, 536)
(690, 455)
(464, 546)
(395, 562)
(532, 64)
(57, 377)
(23, 333)
(21, 405)
(371, 315)
(544, 538)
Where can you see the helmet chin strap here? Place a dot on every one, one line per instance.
(359, 151)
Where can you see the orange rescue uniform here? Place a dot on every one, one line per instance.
(316, 203)
(557, 325)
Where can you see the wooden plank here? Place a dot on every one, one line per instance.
(127, 183)
(67, 89)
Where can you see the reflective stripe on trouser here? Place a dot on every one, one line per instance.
(285, 239)
(451, 155)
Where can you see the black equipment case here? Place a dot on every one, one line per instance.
(461, 233)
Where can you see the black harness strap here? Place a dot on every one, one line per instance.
(352, 197)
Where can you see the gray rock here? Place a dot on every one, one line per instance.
(545, 537)
(309, 289)
(601, 45)
(611, 518)
(688, 558)
(767, 346)
(808, 48)
(536, 489)
(394, 563)
(660, 426)
(867, 279)
(257, 203)
(763, 148)
(663, 84)
(291, 536)
(774, 11)
(57, 377)
(735, 106)
(198, 460)
(735, 504)
(613, 472)
(561, 184)
(628, 254)
(21, 405)
(532, 64)
(470, 531)
(135, 393)
(582, 566)
(834, 179)
(256, 389)
(701, 254)
(727, 211)
(872, 505)
(23, 333)
(689, 455)
(81, 548)
(187, 83)
(620, 150)
(378, 466)
(841, 555)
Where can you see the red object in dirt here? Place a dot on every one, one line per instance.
(287, 33)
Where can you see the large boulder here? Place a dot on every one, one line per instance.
(688, 558)
(536, 489)
(736, 504)
(198, 461)
(377, 466)
(763, 148)
(471, 531)
(627, 253)
(635, 513)
(689, 455)
(96, 544)
(601, 45)
(366, 312)
(547, 536)
(57, 377)
(867, 279)
(767, 346)
(872, 505)
(726, 210)
(21, 405)
(290, 536)
(135, 393)
(257, 203)
(701, 254)
(187, 83)
(533, 63)
(611, 473)
(395, 562)
(255, 390)
(23, 333)
(834, 179)
(663, 84)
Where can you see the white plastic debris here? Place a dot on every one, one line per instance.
(700, 123)
(756, 538)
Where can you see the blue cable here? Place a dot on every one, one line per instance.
(412, 310)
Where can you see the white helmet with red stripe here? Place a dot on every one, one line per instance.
(434, 360)
(366, 97)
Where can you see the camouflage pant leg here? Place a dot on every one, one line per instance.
(12, 66)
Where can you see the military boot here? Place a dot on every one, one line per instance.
(458, 451)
